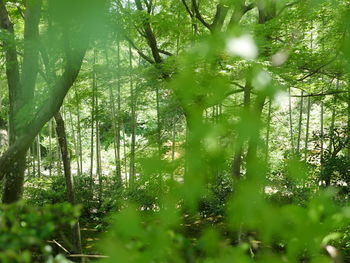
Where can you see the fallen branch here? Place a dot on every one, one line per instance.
(86, 256)
(59, 245)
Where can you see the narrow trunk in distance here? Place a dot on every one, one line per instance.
(268, 128)
(307, 128)
(133, 123)
(290, 121)
(300, 121)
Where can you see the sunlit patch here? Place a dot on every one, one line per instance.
(243, 46)
(270, 190)
(282, 100)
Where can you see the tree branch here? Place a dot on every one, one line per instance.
(199, 16)
(187, 8)
(286, 6)
(237, 16)
(150, 37)
(321, 94)
(165, 52)
(317, 69)
(143, 55)
(219, 18)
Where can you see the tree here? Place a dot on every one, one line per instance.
(27, 117)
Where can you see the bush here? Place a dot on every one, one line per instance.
(24, 230)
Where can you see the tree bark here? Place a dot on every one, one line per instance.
(133, 123)
(93, 113)
(237, 160)
(268, 128)
(19, 94)
(62, 138)
(300, 122)
(307, 128)
(291, 134)
(74, 139)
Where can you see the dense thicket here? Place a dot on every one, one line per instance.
(183, 131)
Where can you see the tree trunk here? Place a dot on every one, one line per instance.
(124, 152)
(93, 112)
(159, 129)
(50, 148)
(62, 138)
(300, 121)
(79, 131)
(322, 138)
(98, 154)
(133, 123)
(291, 121)
(119, 122)
(173, 146)
(38, 154)
(252, 158)
(13, 162)
(13, 188)
(348, 146)
(331, 128)
(74, 139)
(237, 160)
(115, 116)
(268, 128)
(307, 128)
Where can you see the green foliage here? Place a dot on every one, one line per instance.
(231, 112)
(25, 230)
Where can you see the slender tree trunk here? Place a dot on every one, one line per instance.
(133, 122)
(237, 160)
(50, 148)
(300, 122)
(348, 146)
(29, 171)
(307, 128)
(322, 135)
(291, 121)
(58, 157)
(115, 137)
(79, 131)
(38, 152)
(119, 119)
(173, 146)
(268, 126)
(93, 113)
(115, 118)
(125, 160)
(331, 128)
(76, 149)
(98, 153)
(32, 158)
(159, 129)
(62, 139)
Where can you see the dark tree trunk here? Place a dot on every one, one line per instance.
(13, 187)
(19, 93)
(237, 160)
(62, 139)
